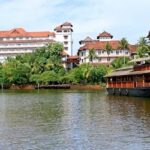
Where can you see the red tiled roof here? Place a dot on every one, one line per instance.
(104, 34)
(20, 32)
(100, 45)
(73, 57)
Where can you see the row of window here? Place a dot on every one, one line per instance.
(117, 52)
(22, 44)
(99, 60)
(23, 38)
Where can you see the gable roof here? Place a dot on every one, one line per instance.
(104, 34)
(60, 27)
(20, 32)
(87, 39)
(100, 45)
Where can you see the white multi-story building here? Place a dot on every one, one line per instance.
(19, 41)
(99, 46)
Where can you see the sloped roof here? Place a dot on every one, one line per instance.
(87, 39)
(127, 72)
(20, 32)
(141, 59)
(67, 24)
(104, 34)
(60, 27)
(100, 45)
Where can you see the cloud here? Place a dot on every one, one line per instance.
(121, 18)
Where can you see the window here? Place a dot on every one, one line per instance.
(127, 52)
(99, 52)
(65, 37)
(108, 59)
(65, 43)
(66, 48)
(117, 52)
(83, 54)
(99, 59)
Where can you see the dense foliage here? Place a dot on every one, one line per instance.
(143, 49)
(44, 66)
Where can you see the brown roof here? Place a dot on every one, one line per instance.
(73, 57)
(100, 45)
(60, 27)
(127, 72)
(87, 39)
(67, 24)
(20, 32)
(104, 34)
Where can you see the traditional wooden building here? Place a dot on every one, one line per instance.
(132, 81)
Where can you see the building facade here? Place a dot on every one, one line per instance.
(18, 41)
(102, 55)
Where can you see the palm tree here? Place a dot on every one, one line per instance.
(92, 55)
(108, 48)
(143, 48)
(123, 45)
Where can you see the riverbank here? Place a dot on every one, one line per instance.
(72, 87)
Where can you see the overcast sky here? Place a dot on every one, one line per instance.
(122, 18)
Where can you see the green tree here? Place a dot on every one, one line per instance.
(123, 45)
(92, 55)
(108, 48)
(120, 62)
(143, 48)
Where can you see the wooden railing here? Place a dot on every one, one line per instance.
(127, 84)
(142, 67)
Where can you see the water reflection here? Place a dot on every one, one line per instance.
(73, 120)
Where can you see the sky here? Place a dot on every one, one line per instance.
(121, 18)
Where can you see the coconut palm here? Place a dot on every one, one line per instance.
(108, 48)
(143, 48)
(92, 55)
(123, 45)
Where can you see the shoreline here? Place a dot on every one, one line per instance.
(71, 87)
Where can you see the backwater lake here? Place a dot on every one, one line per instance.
(73, 120)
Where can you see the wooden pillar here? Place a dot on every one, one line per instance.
(143, 80)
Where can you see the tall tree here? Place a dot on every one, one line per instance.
(143, 48)
(123, 45)
(92, 55)
(108, 48)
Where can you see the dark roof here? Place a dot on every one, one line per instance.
(60, 27)
(87, 39)
(104, 34)
(126, 73)
(67, 24)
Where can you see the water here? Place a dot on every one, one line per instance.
(73, 120)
